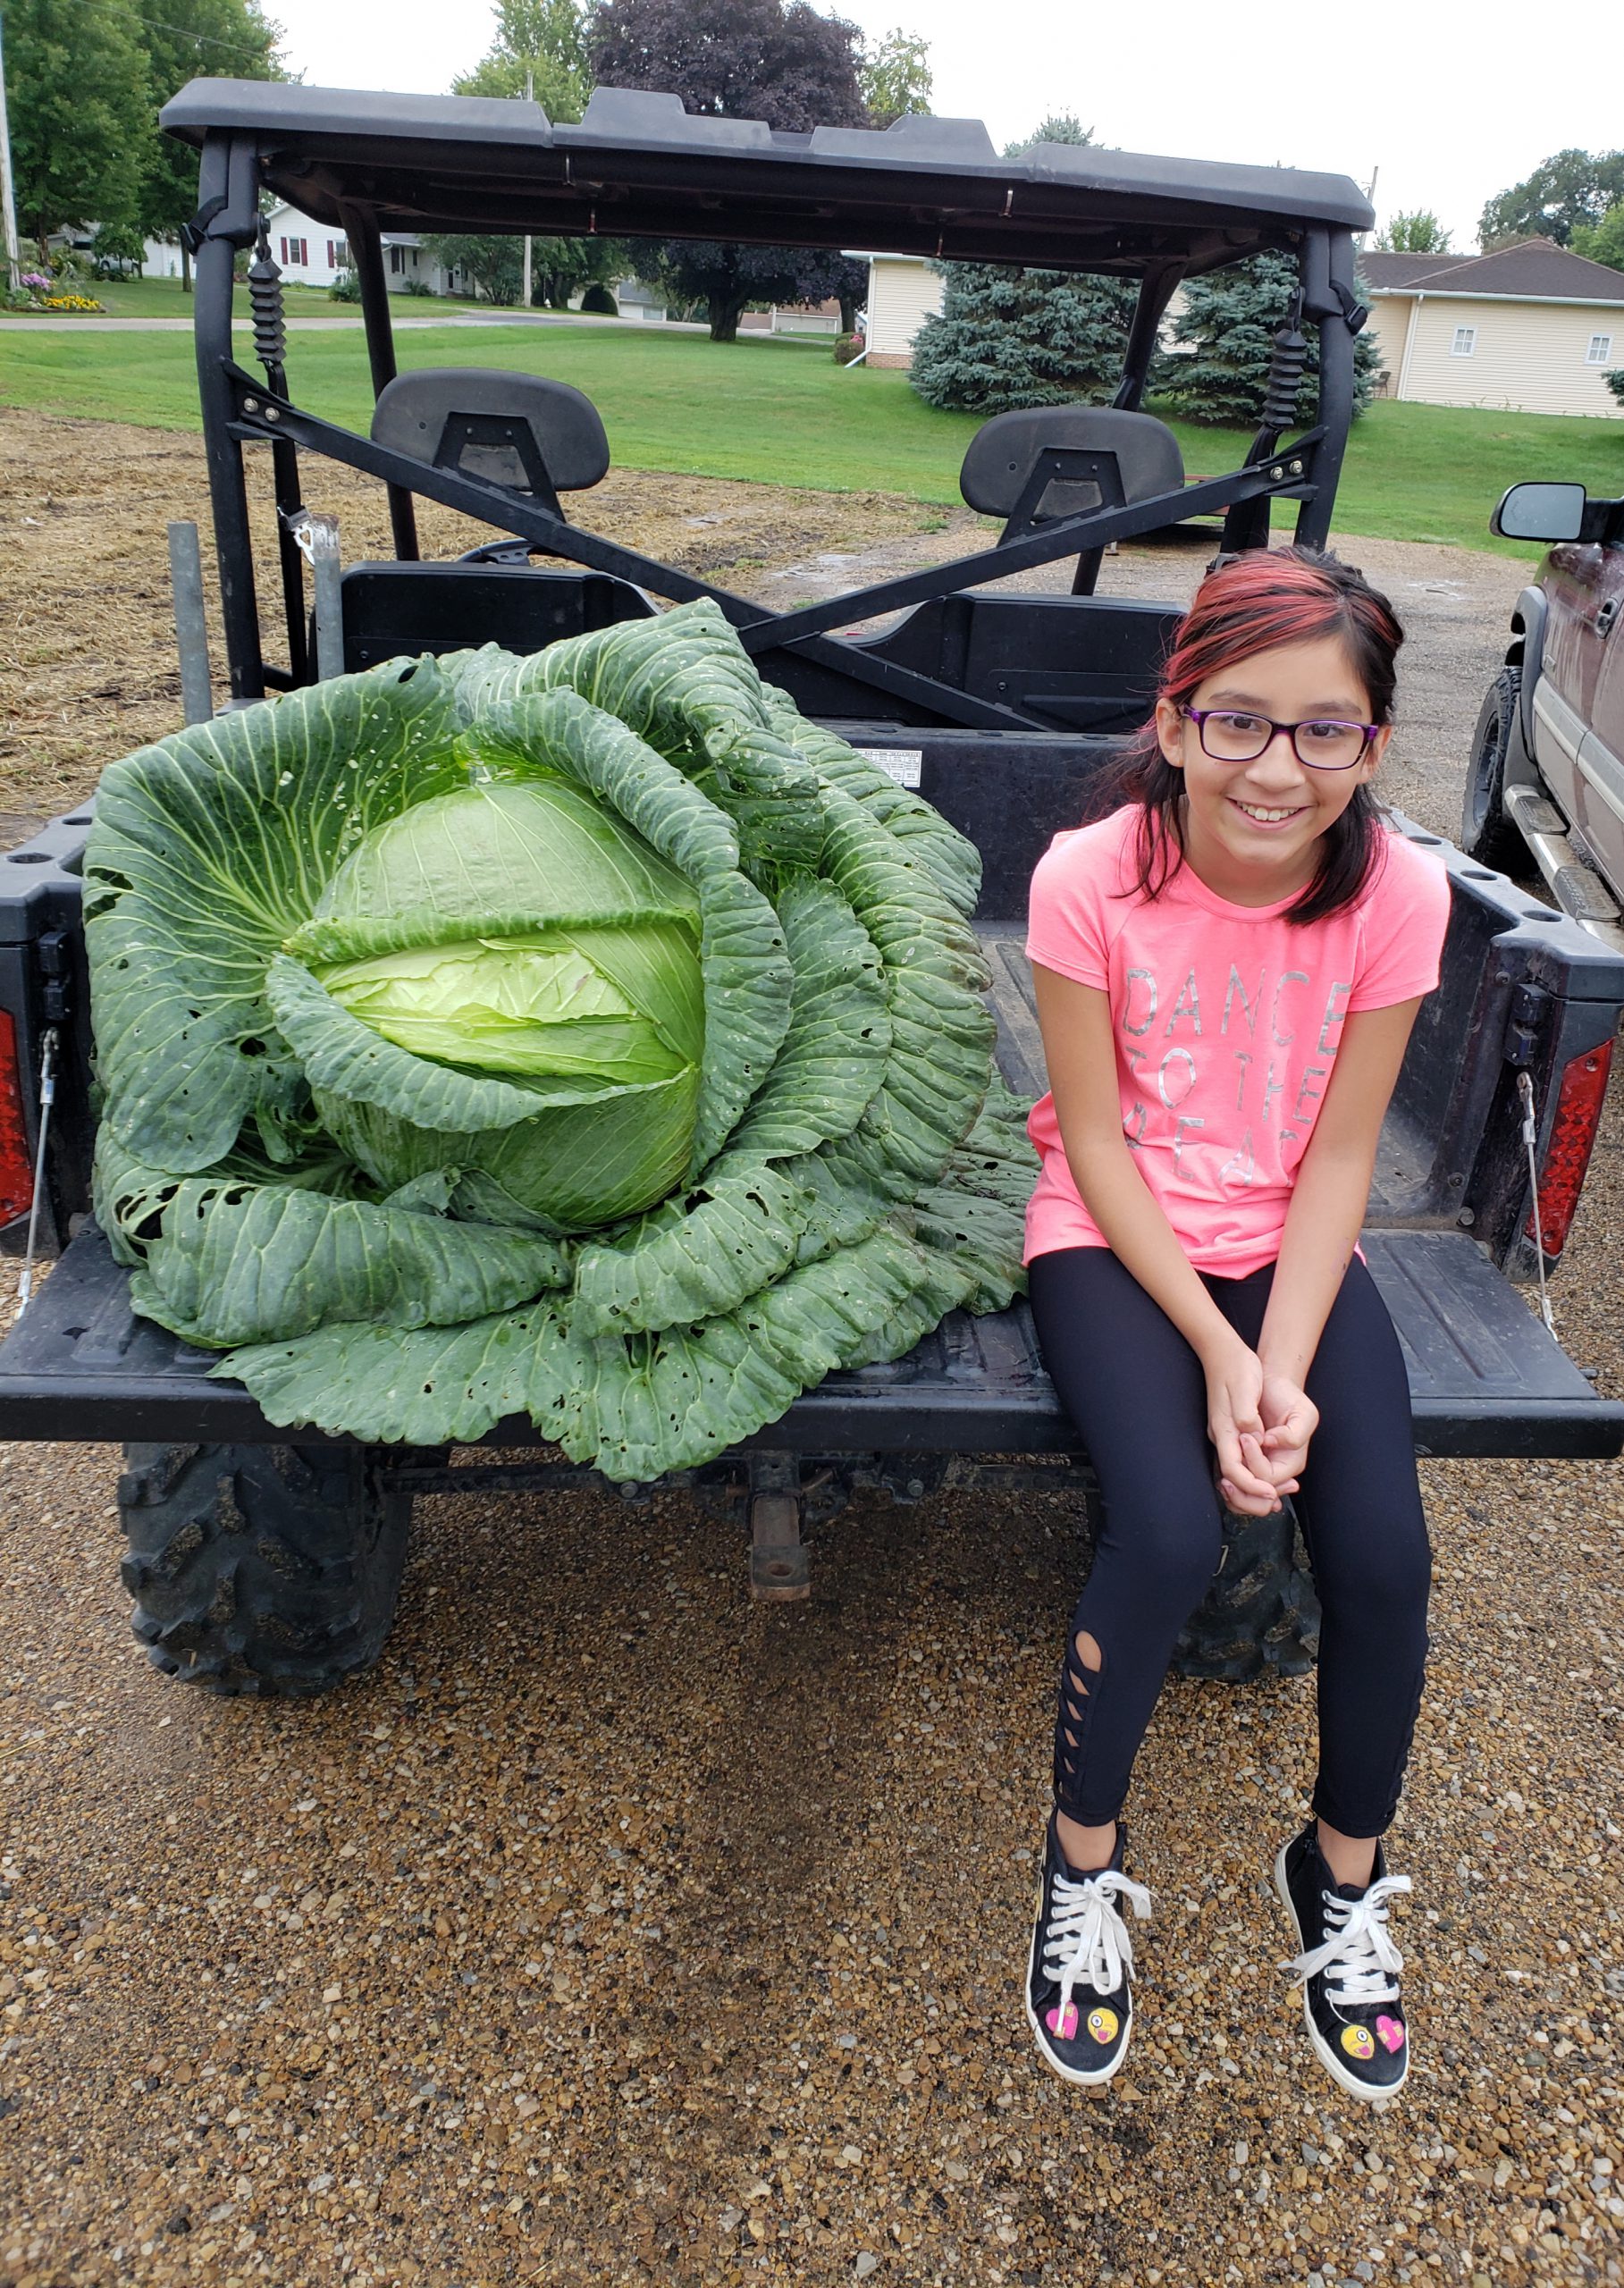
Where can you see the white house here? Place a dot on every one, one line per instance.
(314, 254)
(1530, 329)
(904, 290)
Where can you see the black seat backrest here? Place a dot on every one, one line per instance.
(1035, 466)
(1004, 454)
(537, 436)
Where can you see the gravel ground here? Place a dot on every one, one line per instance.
(614, 1929)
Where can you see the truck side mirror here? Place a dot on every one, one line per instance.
(1549, 512)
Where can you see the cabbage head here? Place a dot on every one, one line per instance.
(585, 1037)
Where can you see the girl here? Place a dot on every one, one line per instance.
(1227, 969)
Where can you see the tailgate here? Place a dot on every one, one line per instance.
(1485, 1377)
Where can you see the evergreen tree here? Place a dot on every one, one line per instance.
(1219, 371)
(1005, 339)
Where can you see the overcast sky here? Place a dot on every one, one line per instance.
(1434, 102)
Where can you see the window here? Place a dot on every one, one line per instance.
(338, 254)
(295, 253)
(396, 261)
(1465, 341)
(1600, 349)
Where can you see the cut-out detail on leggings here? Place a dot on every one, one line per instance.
(1078, 1692)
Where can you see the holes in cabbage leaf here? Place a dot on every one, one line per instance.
(252, 1047)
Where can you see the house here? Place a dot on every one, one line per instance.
(904, 290)
(313, 254)
(1530, 329)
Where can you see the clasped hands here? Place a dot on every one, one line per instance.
(1260, 1422)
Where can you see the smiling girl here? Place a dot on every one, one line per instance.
(1227, 970)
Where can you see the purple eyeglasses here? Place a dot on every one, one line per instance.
(1235, 735)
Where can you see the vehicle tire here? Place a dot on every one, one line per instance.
(1260, 1612)
(1486, 834)
(268, 1570)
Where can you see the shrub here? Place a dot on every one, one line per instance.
(419, 290)
(598, 302)
(848, 346)
(1005, 339)
(345, 288)
(1615, 383)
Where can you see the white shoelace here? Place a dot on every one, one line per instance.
(1087, 1937)
(1359, 1960)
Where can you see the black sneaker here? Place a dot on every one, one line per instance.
(1078, 2001)
(1348, 1969)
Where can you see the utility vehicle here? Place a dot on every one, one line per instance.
(261, 1565)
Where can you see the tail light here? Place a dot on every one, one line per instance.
(16, 1161)
(1578, 1112)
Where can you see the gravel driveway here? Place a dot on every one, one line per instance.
(615, 1931)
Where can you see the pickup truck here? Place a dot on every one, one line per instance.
(262, 1565)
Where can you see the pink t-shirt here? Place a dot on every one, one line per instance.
(1227, 1020)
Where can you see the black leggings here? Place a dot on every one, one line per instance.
(1135, 1390)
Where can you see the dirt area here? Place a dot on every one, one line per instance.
(614, 1930)
(87, 664)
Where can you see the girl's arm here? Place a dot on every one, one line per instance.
(1078, 1042)
(1321, 1224)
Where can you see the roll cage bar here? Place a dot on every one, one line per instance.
(638, 165)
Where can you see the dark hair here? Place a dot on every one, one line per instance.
(1252, 603)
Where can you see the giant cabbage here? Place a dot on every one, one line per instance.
(587, 1037)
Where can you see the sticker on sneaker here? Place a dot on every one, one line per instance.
(1357, 2041)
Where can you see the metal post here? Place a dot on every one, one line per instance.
(529, 99)
(1156, 291)
(192, 629)
(362, 230)
(228, 167)
(317, 538)
(13, 259)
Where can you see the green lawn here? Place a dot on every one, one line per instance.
(783, 412)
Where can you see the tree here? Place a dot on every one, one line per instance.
(1615, 383)
(1603, 242)
(775, 60)
(1570, 189)
(119, 248)
(79, 119)
(492, 265)
(895, 77)
(1005, 339)
(545, 41)
(1229, 322)
(1418, 232)
(228, 37)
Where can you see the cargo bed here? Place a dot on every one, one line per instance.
(1486, 1377)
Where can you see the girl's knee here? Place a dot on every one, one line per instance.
(1162, 1562)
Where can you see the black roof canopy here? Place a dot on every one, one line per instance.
(638, 166)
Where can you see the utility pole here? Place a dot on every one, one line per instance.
(13, 261)
(529, 99)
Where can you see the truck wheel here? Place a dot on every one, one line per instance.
(1260, 1612)
(268, 1570)
(1486, 834)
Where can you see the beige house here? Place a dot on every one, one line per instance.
(904, 290)
(1531, 329)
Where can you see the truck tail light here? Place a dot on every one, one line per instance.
(16, 1161)
(1578, 1112)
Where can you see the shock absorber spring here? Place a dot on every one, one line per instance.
(1288, 363)
(265, 302)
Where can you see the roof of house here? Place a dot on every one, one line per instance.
(1382, 271)
(1534, 270)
